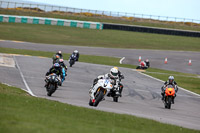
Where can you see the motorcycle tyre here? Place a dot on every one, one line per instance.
(98, 99)
(115, 99)
(51, 89)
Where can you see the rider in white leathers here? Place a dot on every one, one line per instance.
(114, 78)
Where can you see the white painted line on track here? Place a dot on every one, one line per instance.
(25, 83)
(121, 60)
(15, 86)
(164, 81)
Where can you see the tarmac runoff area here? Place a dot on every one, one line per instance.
(141, 94)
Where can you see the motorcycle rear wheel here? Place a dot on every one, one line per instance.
(115, 99)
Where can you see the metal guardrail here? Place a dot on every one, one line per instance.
(130, 16)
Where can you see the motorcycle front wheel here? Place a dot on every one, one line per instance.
(51, 89)
(98, 98)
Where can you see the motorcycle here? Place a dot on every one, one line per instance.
(98, 91)
(52, 85)
(169, 96)
(143, 65)
(72, 60)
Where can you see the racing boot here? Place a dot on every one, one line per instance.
(46, 83)
(120, 90)
(162, 94)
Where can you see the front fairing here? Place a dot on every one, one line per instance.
(102, 83)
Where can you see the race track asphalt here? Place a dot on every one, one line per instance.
(177, 60)
(141, 95)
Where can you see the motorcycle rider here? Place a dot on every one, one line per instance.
(147, 63)
(113, 76)
(142, 65)
(62, 64)
(57, 56)
(75, 54)
(121, 76)
(56, 68)
(170, 81)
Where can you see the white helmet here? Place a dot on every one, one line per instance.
(59, 52)
(171, 78)
(75, 51)
(114, 72)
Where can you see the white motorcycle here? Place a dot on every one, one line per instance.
(100, 89)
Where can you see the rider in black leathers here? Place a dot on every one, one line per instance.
(57, 56)
(56, 68)
(75, 54)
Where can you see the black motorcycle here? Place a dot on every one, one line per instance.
(52, 85)
(72, 60)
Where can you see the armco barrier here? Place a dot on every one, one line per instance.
(151, 29)
(50, 21)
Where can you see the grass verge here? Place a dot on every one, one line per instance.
(22, 113)
(187, 81)
(96, 38)
(160, 24)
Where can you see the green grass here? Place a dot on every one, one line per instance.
(185, 80)
(96, 38)
(22, 113)
(102, 19)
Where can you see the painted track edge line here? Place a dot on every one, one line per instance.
(25, 83)
(164, 81)
(121, 60)
(14, 86)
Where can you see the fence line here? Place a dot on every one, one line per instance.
(130, 16)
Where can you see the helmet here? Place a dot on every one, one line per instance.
(171, 79)
(114, 72)
(56, 65)
(116, 68)
(61, 60)
(59, 52)
(57, 56)
(75, 51)
(147, 60)
(142, 63)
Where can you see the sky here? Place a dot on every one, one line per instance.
(172, 8)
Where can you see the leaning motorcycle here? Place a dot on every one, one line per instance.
(53, 81)
(72, 60)
(169, 96)
(98, 91)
